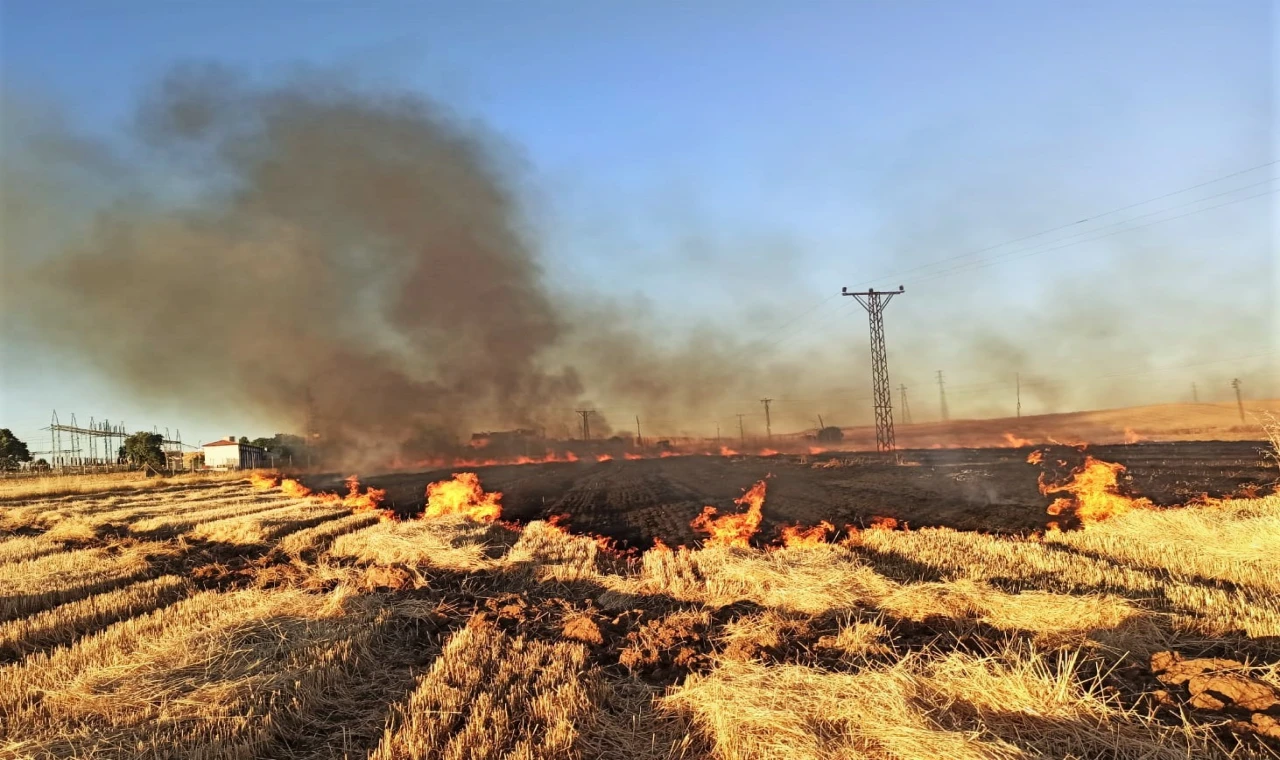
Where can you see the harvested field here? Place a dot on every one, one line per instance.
(233, 620)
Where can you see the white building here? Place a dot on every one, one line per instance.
(229, 454)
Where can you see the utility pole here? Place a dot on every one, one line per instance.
(768, 423)
(1017, 379)
(639, 438)
(906, 408)
(717, 434)
(1239, 403)
(1195, 394)
(875, 302)
(942, 396)
(586, 422)
(742, 433)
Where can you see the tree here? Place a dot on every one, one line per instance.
(12, 451)
(143, 448)
(281, 445)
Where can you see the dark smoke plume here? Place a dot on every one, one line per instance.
(359, 252)
(360, 263)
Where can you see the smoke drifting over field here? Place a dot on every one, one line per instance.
(362, 252)
(312, 248)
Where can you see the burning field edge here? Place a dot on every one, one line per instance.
(269, 618)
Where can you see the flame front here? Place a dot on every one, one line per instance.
(1035, 457)
(794, 535)
(1093, 495)
(1017, 442)
(884, 523)
(463, 496)
(370, 500)
(733, 530)
(294, 489)
(264, 482)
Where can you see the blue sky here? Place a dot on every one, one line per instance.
(784, 148)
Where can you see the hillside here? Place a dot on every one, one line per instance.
(1161, 422)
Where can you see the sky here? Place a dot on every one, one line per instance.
(736, 163)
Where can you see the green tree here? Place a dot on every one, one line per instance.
(143, 448)
(12, 451)
(281, 445)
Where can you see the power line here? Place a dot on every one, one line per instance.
(1094, 217)
(1025, 253)
(929, 276)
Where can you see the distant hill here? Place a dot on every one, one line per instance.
(1162, 422)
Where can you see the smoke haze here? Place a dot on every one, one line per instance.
(363, 261)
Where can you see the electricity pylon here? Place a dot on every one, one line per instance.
(875, 302)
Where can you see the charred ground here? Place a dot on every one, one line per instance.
(990, 490)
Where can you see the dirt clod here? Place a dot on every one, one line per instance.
(583, 628)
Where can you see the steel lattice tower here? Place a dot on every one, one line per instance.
(875, 302)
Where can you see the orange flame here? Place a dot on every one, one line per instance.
(794, 535)
(294, 489)
(1131, 436)
(1035, 457)
(814, 450)
(733, 530)
(604, 458)
(1017, 442)
(370, 500)
(463, 496)
(660, 546)
(1093, 495)
(629, 455)
(264, 482)
(768, 453)
(725, 451)
(884, 523)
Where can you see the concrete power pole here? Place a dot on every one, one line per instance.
(942, 397)
(875, 302)
(1239, 402)
(768, 423)
(906, 408)
(586, 423)
(1017, 379)
(742, 433)
(639, 438)
(1195, 394)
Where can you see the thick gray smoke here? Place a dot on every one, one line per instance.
(357, 252)
(316, 253)
(327, 257)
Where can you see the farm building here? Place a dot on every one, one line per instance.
(229, 454)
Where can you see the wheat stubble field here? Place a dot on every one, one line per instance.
(234, 619)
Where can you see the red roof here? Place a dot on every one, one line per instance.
(223, 443)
